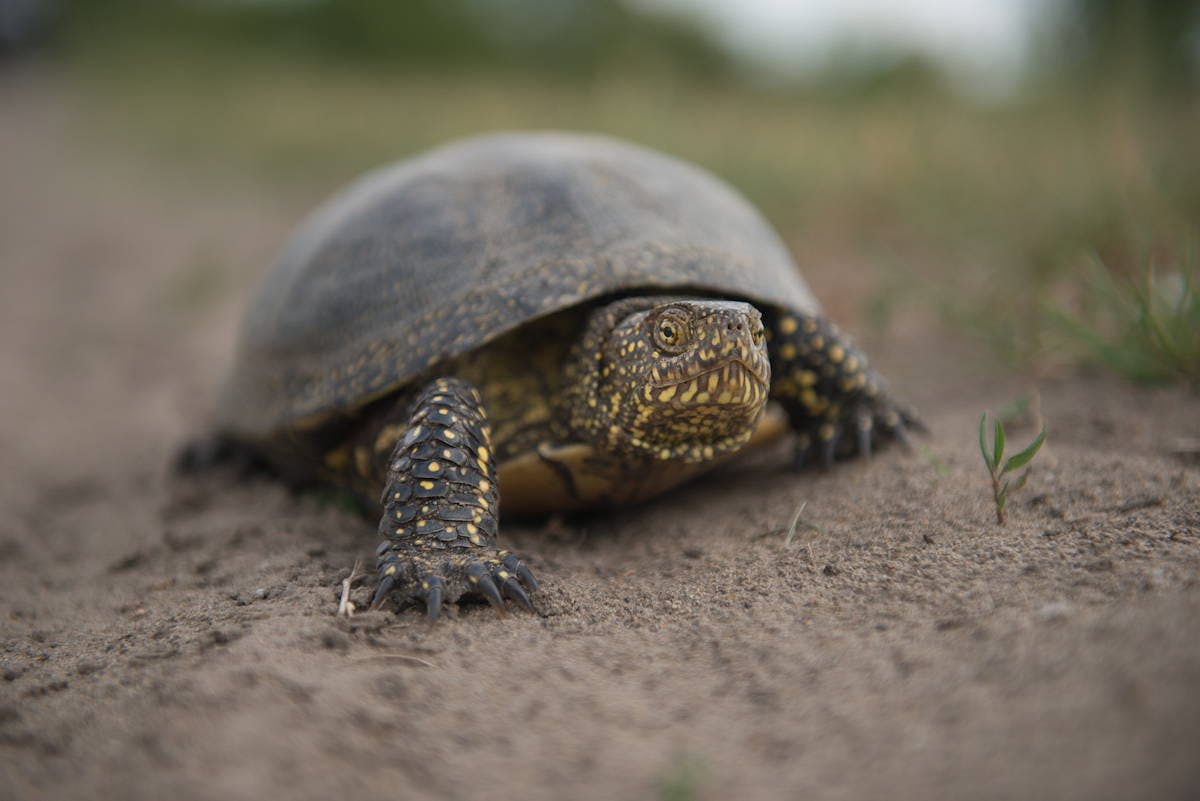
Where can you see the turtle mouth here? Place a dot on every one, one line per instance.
(730, 383)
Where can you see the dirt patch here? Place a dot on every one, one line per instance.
(163, 638)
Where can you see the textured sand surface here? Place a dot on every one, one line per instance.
(177, 639)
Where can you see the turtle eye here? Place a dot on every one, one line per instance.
(757, 334)
(669, 332)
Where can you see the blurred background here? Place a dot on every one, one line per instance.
(1022, 174)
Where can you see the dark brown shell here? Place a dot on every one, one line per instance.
(425, 259)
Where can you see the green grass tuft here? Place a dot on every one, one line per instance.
(1145, 326)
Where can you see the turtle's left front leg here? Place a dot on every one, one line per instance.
(440, 507)
(836, 403)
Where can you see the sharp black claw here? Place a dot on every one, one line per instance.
(902, 437)
(513, 590)
(514, 564)
(433, 603)
(432, 590)
(865, 425)
(828, 450)
(526, 575)
(800, 453)
(487, 586)
(381, 592)
(864, 441)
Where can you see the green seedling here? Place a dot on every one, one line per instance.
(998, 468)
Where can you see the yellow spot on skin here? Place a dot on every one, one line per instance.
(788, 325)
(427, 485)
(400, 532)
(702, 397)
(825, 432)
(836, 354)
(713, 381)
(484, 485)
(337, 460)
(787, 352)
(690, 392)
(810, 326)
(667, 394)
(483, 453)
(387, 437)
(817, 342)
(391, 570)
(503, 574)
(851, 364)
(472, 528)
(725, 397)
(448, 434)
(396, 495)
(434, 467)
(362, 462)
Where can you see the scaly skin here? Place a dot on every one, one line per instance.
(440, 507)
(827, 389)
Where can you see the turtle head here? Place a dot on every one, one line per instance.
(679, 379)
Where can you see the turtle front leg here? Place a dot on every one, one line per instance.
(828, 390)
(440, 504)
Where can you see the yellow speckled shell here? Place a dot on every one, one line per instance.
(425, 259)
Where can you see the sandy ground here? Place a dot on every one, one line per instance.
(177, 639)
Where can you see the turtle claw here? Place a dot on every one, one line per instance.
(870, 423)
(514, 591)
(381, 592)
(829, 450)
(433, 605)
(514, 564)
(434, 582)
(482, 580)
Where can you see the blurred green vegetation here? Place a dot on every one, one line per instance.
(984, 215)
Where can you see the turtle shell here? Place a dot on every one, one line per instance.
(430, 257)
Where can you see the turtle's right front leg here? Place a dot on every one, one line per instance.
(440, 504)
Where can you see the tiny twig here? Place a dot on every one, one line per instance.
(346, 607)
(791, 529)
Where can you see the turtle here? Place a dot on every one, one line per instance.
(523, 323)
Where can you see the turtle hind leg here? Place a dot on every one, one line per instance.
(836, 403)
(440, 504)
